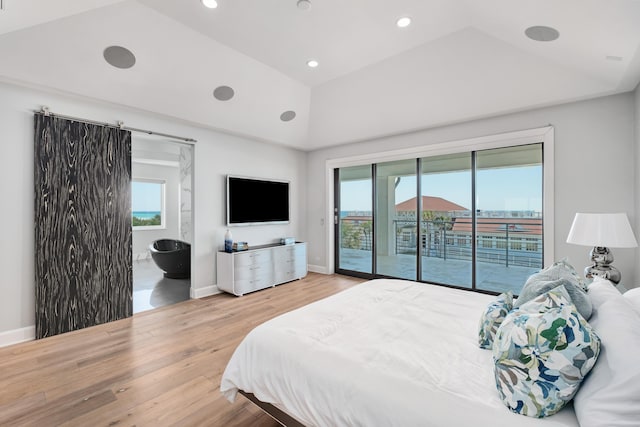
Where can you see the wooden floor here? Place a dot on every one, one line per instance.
(158, 368)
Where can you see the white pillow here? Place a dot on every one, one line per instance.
(633, 296)
(610, 395)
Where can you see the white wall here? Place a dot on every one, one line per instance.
(594, 167)
(171, 175)
(239, 156)
(216, 154)
(628, 284)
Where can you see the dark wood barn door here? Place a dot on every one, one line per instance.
(83, 262)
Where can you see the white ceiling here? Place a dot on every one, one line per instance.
(459, 60)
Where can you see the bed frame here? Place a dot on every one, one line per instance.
(277, 414)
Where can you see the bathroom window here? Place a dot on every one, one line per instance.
(147, 204)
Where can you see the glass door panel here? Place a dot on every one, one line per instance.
(508, 217)
(395, 225)
(446, 220)
(354, 228)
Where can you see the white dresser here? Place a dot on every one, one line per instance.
(261, 267)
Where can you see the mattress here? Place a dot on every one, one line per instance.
(385, 352)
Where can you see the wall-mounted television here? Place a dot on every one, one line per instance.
(252, 201)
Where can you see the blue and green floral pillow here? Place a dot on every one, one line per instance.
(492, 317)
(542, 352)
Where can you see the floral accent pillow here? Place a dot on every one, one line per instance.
(542, 352)
(492, 317)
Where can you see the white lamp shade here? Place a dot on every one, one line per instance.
(611, 230)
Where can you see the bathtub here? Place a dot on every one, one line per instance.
(173, 257)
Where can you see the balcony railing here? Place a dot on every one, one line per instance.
(505, 243)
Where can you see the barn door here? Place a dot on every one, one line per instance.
(83, 234)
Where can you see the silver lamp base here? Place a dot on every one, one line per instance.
(602, 258)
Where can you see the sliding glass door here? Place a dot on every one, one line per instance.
(446, 220)
(396, 212)
(470, 220)
(508, 217)
(353, 218)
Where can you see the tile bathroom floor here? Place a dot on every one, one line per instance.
(152, 290)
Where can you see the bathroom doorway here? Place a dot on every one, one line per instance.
(162, 221)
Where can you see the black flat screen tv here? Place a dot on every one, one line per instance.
(252, 201)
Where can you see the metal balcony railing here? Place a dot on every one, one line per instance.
(505, 243)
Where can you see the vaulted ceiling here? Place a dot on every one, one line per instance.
(458, 60)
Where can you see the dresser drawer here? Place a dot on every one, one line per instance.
(253, 271)
(252, 257)
(290, 271)
(300, 268)
(244, 286)
(287, 276)
(288, 253)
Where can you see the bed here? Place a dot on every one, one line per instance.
(385, 352)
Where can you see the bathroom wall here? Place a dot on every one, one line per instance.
(186, 193)
(636, 225)
(171, 176)
(155, 151)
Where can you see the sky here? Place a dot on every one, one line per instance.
(518, 188)
(146, 196)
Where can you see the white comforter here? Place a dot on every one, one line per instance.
(384, 353)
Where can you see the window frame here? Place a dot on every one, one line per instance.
(543, 135)
(163, 210)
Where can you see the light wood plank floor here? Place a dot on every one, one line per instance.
(158, 368)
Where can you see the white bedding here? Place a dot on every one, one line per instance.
(384, 353)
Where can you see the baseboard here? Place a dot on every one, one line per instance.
(141, 256)
(16, 336)
(317, 269)
(207, 291)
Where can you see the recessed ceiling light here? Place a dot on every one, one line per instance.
(211, 4)
(223, 93)
(403, 22)
(540, 33)
(287, 116)
(312, 63)
(304, 4)
(119, 57)
(614, 58)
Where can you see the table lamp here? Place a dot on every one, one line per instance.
(602, 230)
